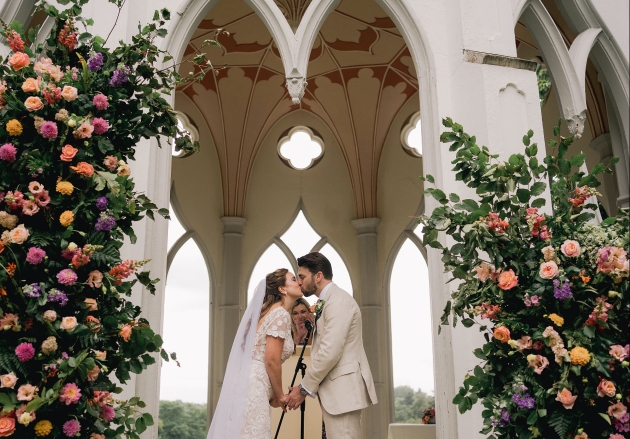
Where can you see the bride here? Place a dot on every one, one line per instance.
(253, 378)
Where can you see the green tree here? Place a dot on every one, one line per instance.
(182, 420)
(409, 404)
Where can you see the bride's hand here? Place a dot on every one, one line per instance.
(282, 401)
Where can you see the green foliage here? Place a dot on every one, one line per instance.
(182, 420)
(409, 405)
(533, 320)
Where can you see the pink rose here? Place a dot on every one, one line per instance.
(566, 398)
(7, 425)
(548, 270)
(508, 280)
(43, 65)
(31, 85)
(570, 249)
(8, 380)
(69, 93)
(33, 103)
(606, 388)
(19, 60)
(617, 410)
(19, 234)
(68, 323)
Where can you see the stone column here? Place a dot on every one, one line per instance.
(369, 298)
(227, 309)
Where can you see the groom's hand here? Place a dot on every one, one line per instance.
(295, 398)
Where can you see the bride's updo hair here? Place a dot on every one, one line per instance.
(274, 281)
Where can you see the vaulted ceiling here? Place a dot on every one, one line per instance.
(360, 75)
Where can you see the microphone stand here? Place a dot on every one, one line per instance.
(299, 367)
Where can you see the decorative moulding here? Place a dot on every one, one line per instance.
(297, 88)
(474, 57)
(576, 124)
(411, 125)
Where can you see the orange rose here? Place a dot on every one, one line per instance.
(31, 85)
(68, 152)
(91, 304)
(606, 388)
(84, 169)
(33, 104)
(69, 93)
(19, 60)
(502, 334)
(508, 280)
(7, 426)
(566, 398)
(125, 332)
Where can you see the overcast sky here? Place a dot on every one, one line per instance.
(187, 302)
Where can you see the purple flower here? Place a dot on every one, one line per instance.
(24, 352)
(622, 424)
(49, 130)
(95, 62)
(35, 255)
(8, 152)
(67, 277)
(101, 203)
(58, 296)
(71, 428)
(33, 290)
(119, 77)
(562, 291)
(523, 401)
(105, 223)
(505, 418)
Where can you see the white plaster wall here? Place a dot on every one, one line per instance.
(615, 16)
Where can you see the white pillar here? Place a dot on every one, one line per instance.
(369, 297)
(227, 309)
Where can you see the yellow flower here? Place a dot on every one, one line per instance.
(14, 127)
(580, 356)
(65, 187)
(559, 321)
(43, 428)
(66, 218)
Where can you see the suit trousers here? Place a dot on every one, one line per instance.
(343, 426)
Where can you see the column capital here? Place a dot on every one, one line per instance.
(233, 224)
(365, 226)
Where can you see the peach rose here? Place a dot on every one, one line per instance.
(19, 60)
(69, 93)
(67, 153)
(91, 304)
(100, 355)
(43, 65)
(548, 270)
(68, 323)
(93, 373)
(617, 410)
(84, 169)
(33, 103)
(7, 425)
(31, 85)
(502, 334)
(55, 73)
(19, 234)
(566, 398)
(508, 280)
(570, 249)
(8, 380)
(125, 332)
(111, 163)
(606, 388)
(84, 131)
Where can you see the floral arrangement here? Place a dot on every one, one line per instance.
(428, 416)
(71, 113)
(549, 291)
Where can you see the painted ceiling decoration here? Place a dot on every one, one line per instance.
(293, 11)
(360, 75)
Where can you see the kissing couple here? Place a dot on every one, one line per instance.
(339, 375)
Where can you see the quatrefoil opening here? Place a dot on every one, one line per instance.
(301, 148)
(411, 136)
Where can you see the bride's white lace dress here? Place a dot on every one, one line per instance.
(257, 419)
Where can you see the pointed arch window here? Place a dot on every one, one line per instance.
(298, 239)
(186, 299)
(410, 301)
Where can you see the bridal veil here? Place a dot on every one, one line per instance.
(228, 416)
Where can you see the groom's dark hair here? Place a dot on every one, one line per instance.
(316, 262)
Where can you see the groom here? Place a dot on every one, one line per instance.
(339, 373)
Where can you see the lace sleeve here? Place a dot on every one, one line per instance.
(279, 326)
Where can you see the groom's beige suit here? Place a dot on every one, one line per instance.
(339, 371)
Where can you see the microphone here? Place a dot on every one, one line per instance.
(308, 325)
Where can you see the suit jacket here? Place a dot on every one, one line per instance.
(339, 370)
